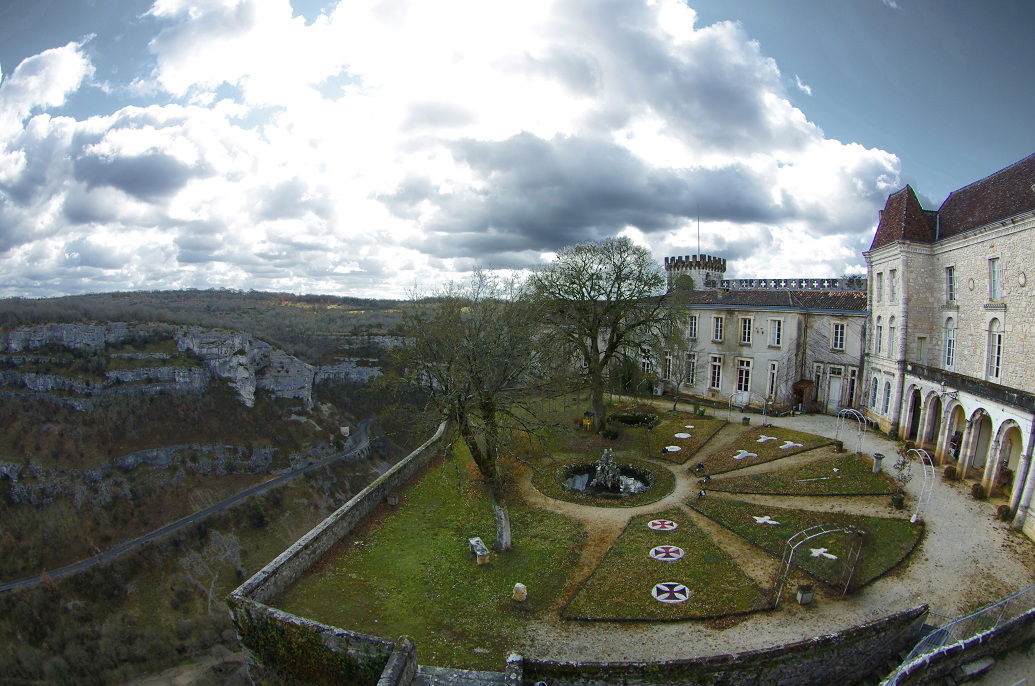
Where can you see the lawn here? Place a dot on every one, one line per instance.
(548, 477)
(664, 434)
(411, 572)
(620, 587)
(885, 543)
(760, 452)
(840, 474)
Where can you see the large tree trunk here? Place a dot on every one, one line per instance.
(599, 409)
(503, 542)
(485, 459)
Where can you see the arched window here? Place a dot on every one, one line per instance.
(995, 349)
(950, 342)
(879, 335)
(873, 394)
(892, 350)
(887, 397)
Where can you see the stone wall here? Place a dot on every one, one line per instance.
(845, 658)
(255, 619)
(941, 663)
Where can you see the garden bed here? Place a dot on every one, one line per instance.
(843, 474)
(885, 544)
(620, 587)
(664, 434)
(760, 452)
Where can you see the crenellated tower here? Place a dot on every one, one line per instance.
(706, 271)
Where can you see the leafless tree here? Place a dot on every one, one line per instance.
(202, 567)
(603, 301)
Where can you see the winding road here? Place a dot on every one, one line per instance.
(358, 442)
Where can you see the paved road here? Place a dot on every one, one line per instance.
(356, 443)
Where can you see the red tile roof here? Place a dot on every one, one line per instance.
(1008, 192)
(903, 219)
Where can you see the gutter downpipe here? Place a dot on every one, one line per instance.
(1021, 511)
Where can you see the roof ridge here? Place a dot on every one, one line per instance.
(986, 178)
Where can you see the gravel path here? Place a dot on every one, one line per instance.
(967, 559)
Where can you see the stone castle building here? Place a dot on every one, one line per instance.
(787, 342)
(951, 324)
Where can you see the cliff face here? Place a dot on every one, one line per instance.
(244, 361)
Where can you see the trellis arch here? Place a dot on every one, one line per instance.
(853, 536)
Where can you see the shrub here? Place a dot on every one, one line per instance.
(610, 433)
(977, 492)
(950, 473)
(636, 419)
(1002, 513)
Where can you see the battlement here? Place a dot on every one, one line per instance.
(695, 262)
(855, 284)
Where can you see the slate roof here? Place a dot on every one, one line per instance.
(852, 301)
(1006, 193)
(902, 219)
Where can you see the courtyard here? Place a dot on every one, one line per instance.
(606, 582)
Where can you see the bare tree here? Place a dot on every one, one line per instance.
(604, 301)
(476, 352)
(202, 566)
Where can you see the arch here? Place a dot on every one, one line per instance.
(955, 425)
(886, 402)
(976, 449)
(932, 422)
(912, 418)
(1006, 455)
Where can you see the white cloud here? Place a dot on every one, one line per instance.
(385, 144)
(802, 86)
(890, 3)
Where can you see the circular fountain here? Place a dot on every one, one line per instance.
(606, 478)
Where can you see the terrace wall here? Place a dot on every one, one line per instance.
(845, 657)
(300, 648)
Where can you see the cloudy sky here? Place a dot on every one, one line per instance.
(363, 147)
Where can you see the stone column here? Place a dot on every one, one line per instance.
(1023, 482)
(941, 441)
(967, 449)
(991, 466)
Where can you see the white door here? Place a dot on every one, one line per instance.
(834, 395)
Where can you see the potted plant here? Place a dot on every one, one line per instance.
(900, 473)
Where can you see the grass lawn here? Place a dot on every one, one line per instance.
(411, 572)
(766, 451)
(843, 474)
(548, 479)
(886, 543)
(676, 422)
(620, 587)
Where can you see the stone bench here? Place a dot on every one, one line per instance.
(479, 550)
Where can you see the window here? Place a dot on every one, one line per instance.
(878, 288)
(645, 360)
(887, 397)
(838, 338)
(873, 394)
(950, 284)
(745, 330)
(691, 368)
(995, 279)
(715, 381)
(691, 328)
(995, 349)
(950, 342)
(668, 365)
(776, 332)
(893, 285)
(921, 349)
(774, 368)
(853, 378)
(892, 349)
(743, 376)
(879, 337)
(817, 375)
(717, 329)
